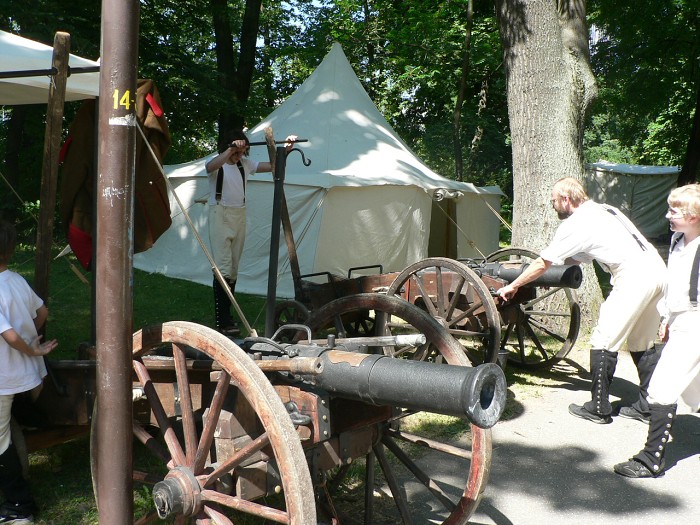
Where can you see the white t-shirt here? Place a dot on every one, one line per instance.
(593, 232)
(680, 264)
(232, 193)
(18, 307)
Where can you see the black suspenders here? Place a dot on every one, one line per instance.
(693, 293)
(634, 235)
(694, 271)
(220, 181)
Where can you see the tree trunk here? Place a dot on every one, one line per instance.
(691, 167)
(461, 90)
(550, 87)
(236, 81)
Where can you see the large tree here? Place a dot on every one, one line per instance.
(550, 88)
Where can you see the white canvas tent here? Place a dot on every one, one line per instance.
(639, 191)
(21, 54)
(365, 198)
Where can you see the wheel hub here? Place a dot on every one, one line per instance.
(178, 494)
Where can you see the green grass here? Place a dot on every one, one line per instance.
(156, 299)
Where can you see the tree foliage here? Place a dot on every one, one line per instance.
(409, 57)
(645, 56)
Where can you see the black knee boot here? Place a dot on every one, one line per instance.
(18, 496)
(598, 409)
(649, 462)
(222, 307)
(645, 363)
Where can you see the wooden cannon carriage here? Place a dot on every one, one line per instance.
(538, 327)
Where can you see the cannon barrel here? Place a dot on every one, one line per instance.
(557, 275)
(478, 393)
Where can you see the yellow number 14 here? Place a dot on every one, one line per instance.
(125, 99)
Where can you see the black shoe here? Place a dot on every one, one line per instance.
(580, 411)
(635, 469)
(11, 514)
(633, 413)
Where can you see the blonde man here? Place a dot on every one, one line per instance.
(592, 231)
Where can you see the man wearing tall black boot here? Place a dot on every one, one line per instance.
(228, 177)
(592, 231)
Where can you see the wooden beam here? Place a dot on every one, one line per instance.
(49, 171)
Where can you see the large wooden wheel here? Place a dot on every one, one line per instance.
(454, 295)
(543, 329)
(447, 475)
(190, 476)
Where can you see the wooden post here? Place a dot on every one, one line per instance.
(49, 170)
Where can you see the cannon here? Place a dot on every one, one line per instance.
(263, 428)
(559, 276)
(477, 394)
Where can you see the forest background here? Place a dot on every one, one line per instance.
(435, 69)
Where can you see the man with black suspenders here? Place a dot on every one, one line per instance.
(228, 176)
(679, 366)
(592, 231)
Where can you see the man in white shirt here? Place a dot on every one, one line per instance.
(592, 231)
(228, 177)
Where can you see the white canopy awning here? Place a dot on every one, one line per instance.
(20, 55)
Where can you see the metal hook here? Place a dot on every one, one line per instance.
(304, 160)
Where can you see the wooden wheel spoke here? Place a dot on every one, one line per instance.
(150, 442)
(420, 475)
(536, 340)
(428, 302)
(546, 330)
(166, 428)
(146, 478)
(506, 335)
(232, 462)
(467, 313)
(455, 298)
(440, 301)
(207, 437)
(246, 506)
(545, 294)
(188, 423)
(218, 517)
(431, 444)
(399, 497)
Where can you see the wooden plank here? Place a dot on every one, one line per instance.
(49, 172)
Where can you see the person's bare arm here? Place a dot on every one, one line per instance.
(218, 161)
(532, 272)
(36, 348)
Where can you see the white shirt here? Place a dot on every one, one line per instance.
(18, 307)
(232, 190)
(592, 232)
(680, 264)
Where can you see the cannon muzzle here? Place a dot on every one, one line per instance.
(557, 275)
(478, 393)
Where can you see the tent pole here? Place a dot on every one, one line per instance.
(49, 171)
